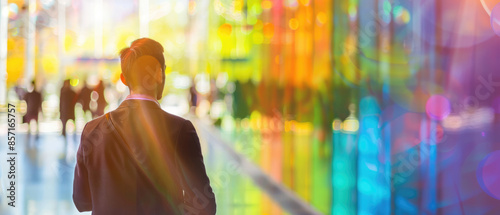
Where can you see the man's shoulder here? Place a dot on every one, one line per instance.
(175, 121)
(93, 124)
(173, 118)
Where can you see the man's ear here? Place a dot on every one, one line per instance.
(123, 79)
(159, 75)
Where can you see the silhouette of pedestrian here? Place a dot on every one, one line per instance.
(67, 105)
(84, 98)
(101, 100)
(33, 100)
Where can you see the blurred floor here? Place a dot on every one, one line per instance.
(297, 160)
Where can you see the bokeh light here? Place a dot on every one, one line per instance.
(488, 175)
(495, 19)
(293, 24)
(13, 10)
(438, 107)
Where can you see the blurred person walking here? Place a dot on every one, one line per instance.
(84, 98)
(33, 100)
(67, 102)
(101, 100)
(139, 159)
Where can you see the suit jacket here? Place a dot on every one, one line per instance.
(157, 169)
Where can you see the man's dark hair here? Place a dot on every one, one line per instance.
(139, 48)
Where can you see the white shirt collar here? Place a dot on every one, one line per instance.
(142, 97)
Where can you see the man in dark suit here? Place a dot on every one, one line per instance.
(139, 159)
